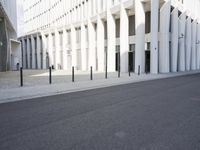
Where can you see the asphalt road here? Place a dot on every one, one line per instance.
(153, 115)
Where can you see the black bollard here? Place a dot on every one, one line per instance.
(129, 70)
(106, 66)
(50, 75)
(72, 74)
(21, 76)
(106, 73)
(91, 77)
(119, 65)
(138, 70)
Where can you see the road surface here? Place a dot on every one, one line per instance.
(154, 115)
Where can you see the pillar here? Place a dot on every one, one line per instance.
(164, 37)
(174, 40)
(140, 36)
(83, 47)
(111, 26)
(73, 46)
(33, 52)
(92, 46)
(124, 39)
(57, 50)
(188, 43)
(65, 49)
(198, 46)
(100, 44)
(50, 48)
(194, 51)
(24, 54)
(43, 51)
(154, 36)
(28, 53)
(181, 42)
(38, 52)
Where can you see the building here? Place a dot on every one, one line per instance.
(156, 36)
(10, 50)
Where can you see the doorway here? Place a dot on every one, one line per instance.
(147, 61)
(117, 58)
(131, 58)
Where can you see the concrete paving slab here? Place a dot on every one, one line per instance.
(39, 87)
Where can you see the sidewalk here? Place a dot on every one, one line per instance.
(13, 92)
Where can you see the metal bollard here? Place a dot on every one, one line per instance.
(72, 74)
(138, 70)
(129, 70)
(106, 73)
(50, 75)
(91, 77)
(119, 72)
(21, 76)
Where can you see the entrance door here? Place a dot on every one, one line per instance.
(147, 61)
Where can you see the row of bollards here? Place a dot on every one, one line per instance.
(73, 75)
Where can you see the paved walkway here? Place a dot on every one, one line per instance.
(36, 83)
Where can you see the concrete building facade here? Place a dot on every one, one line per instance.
(156, 36)
(10, 50)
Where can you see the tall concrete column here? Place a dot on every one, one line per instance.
(140, 36)
(188, 43)
(50, 48)
(73, 46)
(28, 53)
(181, 43)
(24, 54)
(100, 44)
(124, 39)
(38, 49)
(194, 50)
(154, 36)
(57, 50)
(164, 37)
(33, 52)
(111, 27)
(174, 40)
(198, 46)
(65, 49)
(92, 47)
(83, 39)
(83, 48)
(43, 51)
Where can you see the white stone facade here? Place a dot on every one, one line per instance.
(156, 36)
(10, 50)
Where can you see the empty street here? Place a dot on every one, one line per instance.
(153, 115)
